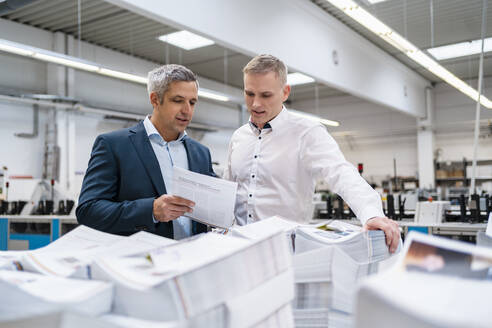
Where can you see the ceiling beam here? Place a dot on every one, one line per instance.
(304, 36)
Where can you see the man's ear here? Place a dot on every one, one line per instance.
(286, 91)
(154, 99)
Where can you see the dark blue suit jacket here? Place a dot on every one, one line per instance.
(123, 179)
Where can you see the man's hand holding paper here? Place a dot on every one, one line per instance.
(213, 198)
(169, 207)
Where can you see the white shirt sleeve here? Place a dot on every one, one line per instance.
(227, 175)
(322, 156)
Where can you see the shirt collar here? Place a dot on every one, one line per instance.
(153, 133)
(274, 123)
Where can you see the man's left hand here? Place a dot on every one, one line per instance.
(390, 229)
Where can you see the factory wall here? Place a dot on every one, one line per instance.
(455, 119)
(24, 156)
(374, 135)
(369, 133)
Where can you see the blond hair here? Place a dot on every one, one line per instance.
(263, 64)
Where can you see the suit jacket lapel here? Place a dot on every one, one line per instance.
(190, 153)
(193, 165)
(141, 142)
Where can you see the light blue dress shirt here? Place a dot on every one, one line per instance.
(169, 154)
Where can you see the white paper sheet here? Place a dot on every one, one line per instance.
(214, 198)
(24, 293)
(82, 238)
(70, 255)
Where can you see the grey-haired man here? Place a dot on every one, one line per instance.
(128, 182)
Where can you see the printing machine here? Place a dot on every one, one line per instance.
(413, 211)
(35, 213)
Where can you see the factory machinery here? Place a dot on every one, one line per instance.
(461, 216)
(42, 202)
(32, 222)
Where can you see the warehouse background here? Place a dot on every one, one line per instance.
(372, 133)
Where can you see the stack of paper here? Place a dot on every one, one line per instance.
(328, 266)
(24, 293)
(436, 283)
(63, 320)
(414, 299)
(326, 281)
(10, 260)
(68, 319)
(312, 272)
(72, 254)
(346, 274)
(263, 228)
(329, 261)
(129, 322)
(281, 318)
(213, 279)
(340, 319)
(360, 245)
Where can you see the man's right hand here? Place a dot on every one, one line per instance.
(168, 207)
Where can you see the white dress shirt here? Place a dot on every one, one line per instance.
(169, 154)
(277, 168)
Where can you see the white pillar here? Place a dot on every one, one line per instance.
(58, 84)
(57, 73)
(425, 144)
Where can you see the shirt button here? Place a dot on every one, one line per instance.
(249, 215)
(250, 195)
(253, 176)
(256, 156)
(259, 137)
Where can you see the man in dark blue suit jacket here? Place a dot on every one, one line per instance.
(124, 190)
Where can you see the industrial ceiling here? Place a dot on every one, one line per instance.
(110, 26)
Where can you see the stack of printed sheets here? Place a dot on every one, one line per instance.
(436, 282)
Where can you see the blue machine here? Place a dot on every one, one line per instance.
(32, 239)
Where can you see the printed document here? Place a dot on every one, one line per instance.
(214, 198)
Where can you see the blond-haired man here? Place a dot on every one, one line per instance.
(277, 158)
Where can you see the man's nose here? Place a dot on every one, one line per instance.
(256, 102)
(186, 109)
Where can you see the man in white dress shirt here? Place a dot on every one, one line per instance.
(277, 158)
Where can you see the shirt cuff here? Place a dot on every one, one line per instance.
(369, 213)
(153, 218)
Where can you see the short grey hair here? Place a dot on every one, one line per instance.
(160, 78)
(263, 64)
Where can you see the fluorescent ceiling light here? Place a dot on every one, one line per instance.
(15, 50)
(186, 40)
(212, 95)
(298, 78)
(375, 1)
(123, 75)
(66, 62)
(314, 118)
(73, 62)
(352, 9)
(461, 49)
